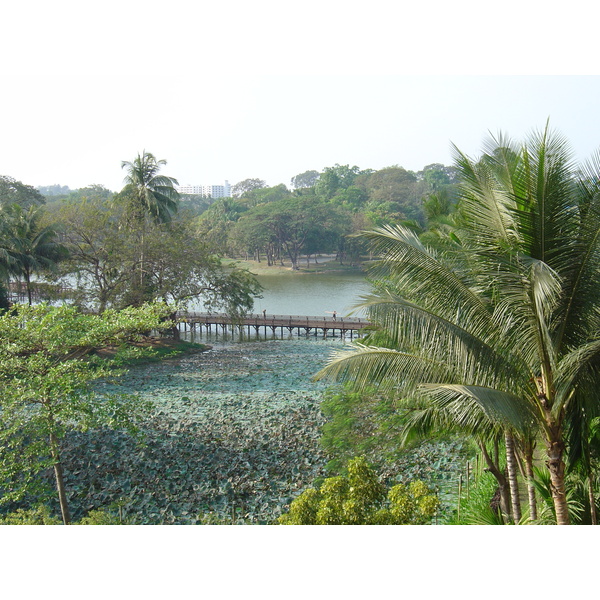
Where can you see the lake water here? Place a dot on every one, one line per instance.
(306, 294)
(316, 294)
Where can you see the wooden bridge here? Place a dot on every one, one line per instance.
(190, 321)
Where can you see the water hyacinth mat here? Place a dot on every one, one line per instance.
(233, 436)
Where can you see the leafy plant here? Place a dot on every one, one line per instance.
(477, 508)
(361, 499)
(110, 515)
(369, 424)
(496, 333)
(45, 377)
(39, 515)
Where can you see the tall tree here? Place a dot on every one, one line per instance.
(333, 179)
(294, 225)
(31, 248)
(507, 321)
(148, 194)
(15, 192)
(305, 180)
(247, 185)
(153, 194)
(180, 264)
(103, 256)
(45, 376)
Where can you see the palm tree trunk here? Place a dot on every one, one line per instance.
(28, 284)
(511, 465)
(60, 482)
(503, 485)
(142, 259)
(593, 514)
(528, 452)
(556, 466)
(591, 496)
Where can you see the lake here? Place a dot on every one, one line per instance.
(317, 294)
(302, 294)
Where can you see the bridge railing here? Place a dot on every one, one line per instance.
(267, 318)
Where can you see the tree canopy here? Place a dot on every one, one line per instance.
(496, 331)
(15, 192)
(45, 376)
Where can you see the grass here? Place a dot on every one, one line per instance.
(326, 264)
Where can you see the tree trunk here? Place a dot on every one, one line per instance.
(174, 329)
(528, 452)
(511, 465)
(28, 284)
(593, 514)
(556, 466)
(142, 257)
(496, 451)
(60, 483)
(503, 486)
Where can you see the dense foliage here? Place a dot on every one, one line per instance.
(230, 435)
(369, 424)
(322, 211)
(46, 392)
(496, 332)
(361, 499)
(485, 306)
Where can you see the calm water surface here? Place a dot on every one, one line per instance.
(316, 294)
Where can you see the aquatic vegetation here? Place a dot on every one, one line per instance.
(234, 433)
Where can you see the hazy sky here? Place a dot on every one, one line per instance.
(233, 90)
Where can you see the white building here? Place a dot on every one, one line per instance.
(210, 191)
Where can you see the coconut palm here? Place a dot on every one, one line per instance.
(505, 322)
(5, 261)
(28, 247)
(154, 194)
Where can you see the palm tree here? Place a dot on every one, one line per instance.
(152, 195)
(505, 321)
(5, 260)
(28, 247)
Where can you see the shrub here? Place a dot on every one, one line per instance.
(361, 499)
(33, 516)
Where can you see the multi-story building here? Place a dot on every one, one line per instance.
(209, 191)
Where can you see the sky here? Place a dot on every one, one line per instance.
(235, 90)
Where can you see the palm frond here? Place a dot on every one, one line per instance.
(417, 272)
(410, 327)
(389, 370)
(497, 406)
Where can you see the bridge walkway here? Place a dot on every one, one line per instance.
(301, 324)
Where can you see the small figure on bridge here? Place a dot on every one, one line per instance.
(264, 313)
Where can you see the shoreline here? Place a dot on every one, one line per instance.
(325, 265)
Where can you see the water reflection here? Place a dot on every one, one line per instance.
(318, 294)
(309, 294)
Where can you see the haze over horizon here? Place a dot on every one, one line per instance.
(269, 92)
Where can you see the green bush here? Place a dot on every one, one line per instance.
(361, 499)
(101, 517)
(33, 516)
